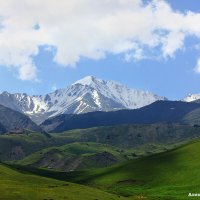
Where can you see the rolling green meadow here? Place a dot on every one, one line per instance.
(15, 185)
(169, 175)
(65, 166)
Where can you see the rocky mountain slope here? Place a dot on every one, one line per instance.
(15, 122)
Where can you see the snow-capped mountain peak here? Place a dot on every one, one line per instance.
(192, 97)
(86, 95)
(88, 80)
(91, 81)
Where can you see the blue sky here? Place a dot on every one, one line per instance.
(171, 76)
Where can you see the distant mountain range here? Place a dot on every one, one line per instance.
(157, 112)
(58, 110)
(86, 95)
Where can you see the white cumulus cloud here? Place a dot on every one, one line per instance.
(197, 68)
(91, 29)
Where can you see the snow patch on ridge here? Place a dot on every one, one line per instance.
(192, 97)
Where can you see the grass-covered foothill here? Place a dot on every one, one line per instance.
(18, 185)
(46, 166)
(141, 139)
(17, 146)
(76, 156)
(170, 175)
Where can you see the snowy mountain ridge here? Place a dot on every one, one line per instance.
(86, 95)
(192, 97)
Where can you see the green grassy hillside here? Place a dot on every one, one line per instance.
(170, 175)
(145, 138)
(16, 185)
(192, 117)
(76, 156)
(17, 146)
(131, 136)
